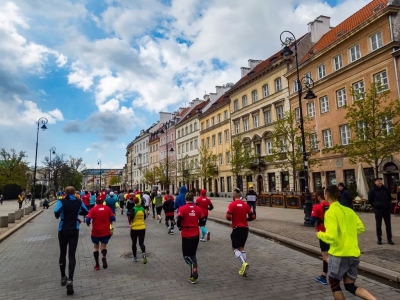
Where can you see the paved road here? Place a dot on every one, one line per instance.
(29, 268)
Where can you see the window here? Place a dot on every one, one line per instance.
(195, 144)
(341, 97)
(190, 128)
(327, 134)
(244, 101)
(221, 160)
(297, 113)
(195, 126)
(268, 147)
(344, 134)
(278, 84)
(208, 142)
(255, 121)
(265, 90)
(179, 134)
(257, 149)
(179, 149)
(376, 41)
(222, 180)
(207, 123)
(226, 115)
(282, 145)
(387, 126)
(226, 136)
(235, 105)
(219, 118)
(191, 145)
(228, 158)
(267, 117)
(310, 109)
(358, 90)
(186, 130)
(202, 125)
(212, 121)
(246, 125)
(237, 128)
(308, 77)
(187, 147)
(279, 112)
(355, 53)
(313, 141)
(381, 81)
(295, 86)
(338, 62)
(321, 71)
(213, 141)
(220, 138)
(361, 130)
(324, 104)
(202, 142)
(229, 183)
(254, 96)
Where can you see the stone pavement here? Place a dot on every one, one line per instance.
(29, 268)
(289, 223)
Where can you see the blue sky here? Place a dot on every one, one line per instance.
(102, 70)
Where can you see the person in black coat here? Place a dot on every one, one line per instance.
(380, 199)
(345, 198)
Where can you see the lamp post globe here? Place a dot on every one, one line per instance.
(99, 163)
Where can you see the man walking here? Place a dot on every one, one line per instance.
(190, 217)
(205, 204)
(342, 227)
(101, 216)
(68, 208)
(251, 197)
(239, 213)
(380, 199)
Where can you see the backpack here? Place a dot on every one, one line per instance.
(325, 208)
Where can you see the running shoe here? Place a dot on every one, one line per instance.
(169, 231)
(97, 267)
(245, 268)
(195, 273)
(172, 231)
(192, 280)
(70, 287)
(144, 257)
(208, 236)
(64, 280)
(135, 259)
(159, 220)
(321, 280)
(104, 260)
(202, 240)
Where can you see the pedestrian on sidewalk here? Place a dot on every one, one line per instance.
(239, 213)
(345, 197)
(342, 227)
(205, 204)
(159, 206)
(46, 204)
(317, 217)
(138, 229)
(21, 198)
(168, 207)
(101, 217)
(69, 208)
(381, 200)
(251, 198)
(190, 217)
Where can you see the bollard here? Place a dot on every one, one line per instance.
(17, 215)
(22, 212)
(40, 203)
(3, 221)
(11, 218)
(31, 209)
(27, 211)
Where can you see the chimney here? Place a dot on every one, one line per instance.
(319, 27)
(253, 63)
(244, 71)
(206, 97)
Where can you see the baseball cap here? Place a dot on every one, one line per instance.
(111, 193)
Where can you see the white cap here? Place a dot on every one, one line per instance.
(111, 193)
(159, 193)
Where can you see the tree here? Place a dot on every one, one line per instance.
(114, 180)
(241, 159)
(286, 152)
(161, 171)
(373, 120)
(150, 176)
(185, 168)
(208, 165)
(13, 167)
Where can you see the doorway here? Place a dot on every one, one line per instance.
(391, 176)
(260, 184)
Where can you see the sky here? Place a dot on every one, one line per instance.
(102, 70)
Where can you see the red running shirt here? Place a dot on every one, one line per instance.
(203, 203)
(239, 211)
(100, 215)
(86, 199)
(318, 212)
(191, 215)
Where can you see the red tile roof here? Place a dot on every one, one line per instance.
(217, 103)
(183, 112)
(347, 25)
(193, 111)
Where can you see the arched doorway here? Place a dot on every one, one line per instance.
(260, 184)
(391, 176)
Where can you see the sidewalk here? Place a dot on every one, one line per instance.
(286, 226)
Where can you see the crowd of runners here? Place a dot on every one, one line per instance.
(337, 229)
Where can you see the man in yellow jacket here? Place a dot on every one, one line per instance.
(342, 229)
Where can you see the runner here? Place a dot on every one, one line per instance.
(121, 198)
(138, 229)
(342, 229)
(20, 200)
(153, 203)
(92, 202)
(102, 217)
(205, 204)
(168, 207)
(129, 206)
(68, 209)
(86, 200)
(190, 217)
(317, 217)
(180, 199)
(237, 212)
(146, 202)
(168, 196)
(112, 202)
(159, 206)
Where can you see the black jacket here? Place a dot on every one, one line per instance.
(168, 206)
(345, 198)
(379, 197)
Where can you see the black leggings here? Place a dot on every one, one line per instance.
(135, 234)
(68, 239)
(189, 246)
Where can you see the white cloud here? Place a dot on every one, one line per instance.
(61, 60)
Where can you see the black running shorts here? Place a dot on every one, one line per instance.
(169, 218)
(121, 204)
(239, 237)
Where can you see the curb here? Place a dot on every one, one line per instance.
(366, 267)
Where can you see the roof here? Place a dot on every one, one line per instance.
(216, 104)
(347, 25)
(182, 112)
(192, 112)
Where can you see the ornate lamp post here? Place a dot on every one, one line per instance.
(43, 122)
(99, 163)
(52, 151)
(304, 83)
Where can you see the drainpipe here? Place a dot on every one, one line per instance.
(396, 71)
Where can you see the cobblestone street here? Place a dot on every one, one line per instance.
(29, 268)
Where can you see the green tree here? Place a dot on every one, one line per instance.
(241, 159)
(161, 171)
(13, 167)
(150, 176)
(373, 120)
(114, 180)
(207, 168)
(286, 152)
(186, 169)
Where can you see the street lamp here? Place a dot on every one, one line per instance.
(99, 163)
(131, 168)
(167, 151)
(52, 151)
(42, 121)
(308, 84)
